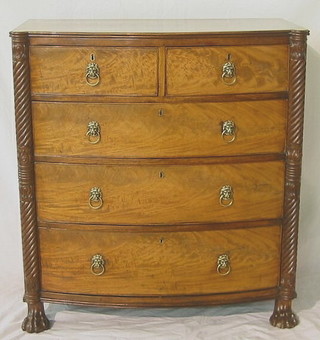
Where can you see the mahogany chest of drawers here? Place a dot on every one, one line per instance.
(159, 162)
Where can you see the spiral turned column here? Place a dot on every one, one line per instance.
(36, 320)
(283, 316)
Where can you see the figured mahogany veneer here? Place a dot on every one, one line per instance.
(159, 130)
(138, 262)
(138, 195)
(197, 70)
(124, 71)
(166, 92)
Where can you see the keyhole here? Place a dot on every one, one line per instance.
(161, 241)
(161, 112)
(162, 174)
(92, 57)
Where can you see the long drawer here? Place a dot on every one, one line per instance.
(146, 263)
(218, 70)
(115, 71)
(154, 130)
(164, 194)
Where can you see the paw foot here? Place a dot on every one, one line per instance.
(36, 321)
(284, 319)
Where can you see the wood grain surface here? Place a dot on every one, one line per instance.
(123, 71)
(137, 194)
(158, 264)
(198, 70)
(137, 131)
(146, 301)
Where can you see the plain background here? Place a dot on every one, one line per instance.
(305, 13)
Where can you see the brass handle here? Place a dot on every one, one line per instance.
(226, 196)
(92, 74)
(223, 265)
(95, 198)
(93, 132)
(228, 131)
(229, 72)
(97, 265)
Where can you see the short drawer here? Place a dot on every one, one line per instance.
(166, 194)
(219, 70)
(146, 263)
(158, 131)
(115, 71)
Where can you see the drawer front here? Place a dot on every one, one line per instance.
(152, 130)
(165, 194)
(121, 71)
(159, 263)
(199, 70)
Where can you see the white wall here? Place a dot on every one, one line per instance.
(302, 12)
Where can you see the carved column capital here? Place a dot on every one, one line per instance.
(298, 45)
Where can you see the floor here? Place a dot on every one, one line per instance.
(232, 322)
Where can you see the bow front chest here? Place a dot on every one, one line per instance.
(159, 162)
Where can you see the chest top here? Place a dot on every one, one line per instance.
(156, 26)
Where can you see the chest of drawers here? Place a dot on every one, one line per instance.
(159, 162)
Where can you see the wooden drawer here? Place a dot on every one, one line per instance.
(159, 194)
(123, 71)
(173, 263)
(198, 70)
(181, 130)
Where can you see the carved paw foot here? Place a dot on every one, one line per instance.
(36, 321)
(283, 317)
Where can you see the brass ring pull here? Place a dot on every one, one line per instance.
(229, 72)
(93, 132)
(92, 74)
(90, 83)
(95, 198)
(228, 132)
(225, 76)
(97, 265)
(94, 141)
(226, 196)
(223, 265)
